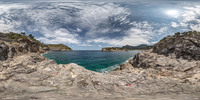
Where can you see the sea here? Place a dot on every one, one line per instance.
(94, 60)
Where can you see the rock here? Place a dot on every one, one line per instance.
(23, 69)
(4, 50)
(12, 52)
(184, 46)
(37, 89)
(46, 48)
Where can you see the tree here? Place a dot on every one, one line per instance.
(31, 36)
(177, 33)
(23, 33)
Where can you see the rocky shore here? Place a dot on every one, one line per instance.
(27, 74)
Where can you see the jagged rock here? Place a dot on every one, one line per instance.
(3, 51)
(152, 60)
(12, 52)
(46, 48)
(26, 71)
(184, 46)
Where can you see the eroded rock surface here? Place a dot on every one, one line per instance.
(181, 46)
(32, 73)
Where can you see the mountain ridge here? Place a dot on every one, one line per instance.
(128, 47)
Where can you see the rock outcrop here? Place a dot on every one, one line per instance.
(22, 46)
(175, 57)
(186, 46)
(13, 44)
(58, 47)
(169, 66)
(3, 51)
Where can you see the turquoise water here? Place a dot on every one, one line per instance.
(92, 60)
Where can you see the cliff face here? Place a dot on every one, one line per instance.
(175, 56)
(12, 44)
(18, 47)
(186, 46)
(178, 50)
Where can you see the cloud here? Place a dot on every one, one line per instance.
(7, 7)
(5, 28)
(174, 24)
(5, 24)
(70, 23)
(140, 33)
(90, 23)
(96, 18)
(60, 36)
(190, 18)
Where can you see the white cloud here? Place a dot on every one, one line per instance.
(174, 24)
(190, 18)
(51, 20)
(60, 36)
(5, 28)
(195, 27)
(141, 33)
(5, 24)
(94, 15)
(7, 7)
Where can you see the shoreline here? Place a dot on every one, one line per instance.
(104, 70)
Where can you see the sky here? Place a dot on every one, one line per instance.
(94, 24)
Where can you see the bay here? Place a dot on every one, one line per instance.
(94, 60)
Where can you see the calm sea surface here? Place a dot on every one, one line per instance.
(92, 60)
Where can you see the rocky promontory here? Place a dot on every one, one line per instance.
(13, 44)
(58, 47)
(175, 57)
(148, 73)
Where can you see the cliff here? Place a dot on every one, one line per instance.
(13, 44)
(185, 46)
(174, 56)
(127, 48)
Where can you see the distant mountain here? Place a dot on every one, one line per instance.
(58, 47)
(142, 46)
(128, 47)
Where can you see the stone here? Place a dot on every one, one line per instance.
(3, 51)
(185, 46)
